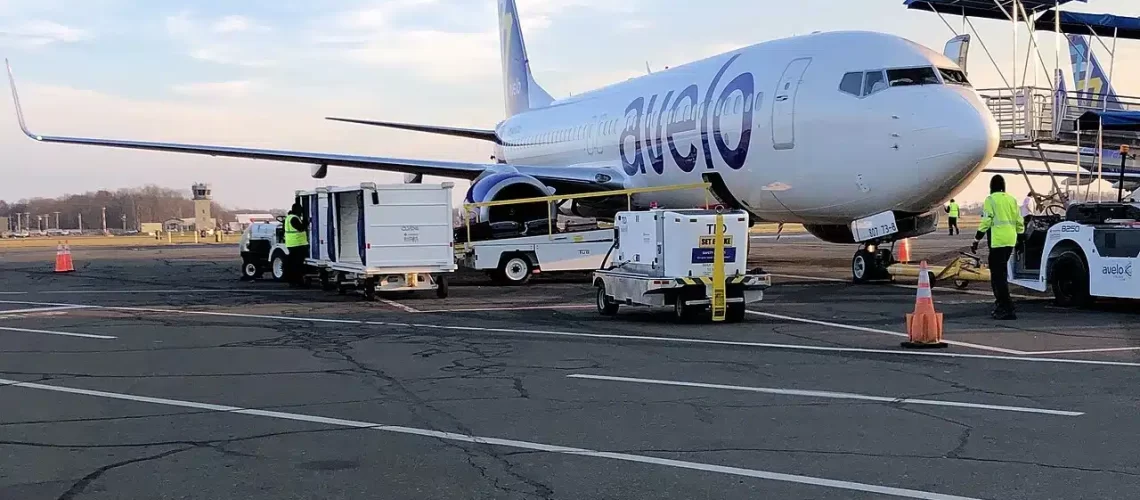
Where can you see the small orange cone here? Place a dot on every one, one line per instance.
(904, 251)
(924, 326)
(63, 262)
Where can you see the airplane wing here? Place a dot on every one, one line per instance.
(470, 133)
(565, 180)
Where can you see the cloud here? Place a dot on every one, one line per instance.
(230, 89)
(39, 33)
(230, 40)
(236, 24)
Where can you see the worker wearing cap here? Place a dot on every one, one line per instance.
(952, 210)
(297, 242)
(1001, 218)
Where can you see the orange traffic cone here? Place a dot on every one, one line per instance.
(924, 326)
(904, 251)
(63, 262)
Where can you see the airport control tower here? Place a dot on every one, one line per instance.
(202, 198)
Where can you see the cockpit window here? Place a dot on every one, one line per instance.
(953, 77)
(912, 76)
(852, 83)
(874, 82)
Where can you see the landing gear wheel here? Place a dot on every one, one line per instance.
(441, 286)
(606, 306)
(250, 270)
(277, 266)
(862, 267)
(515, 270)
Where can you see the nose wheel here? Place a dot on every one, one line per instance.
(870, 264)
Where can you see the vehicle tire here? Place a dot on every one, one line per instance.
(441, 290)
(735, 313)
(961, 284)
(1069, 278)
(862, 267)
(606, 307)
(277, 266)
(681, 312)
(369, 289)
(250, 270)
(515, 270)
(327, 283)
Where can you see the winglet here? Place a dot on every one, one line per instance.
(16, 102)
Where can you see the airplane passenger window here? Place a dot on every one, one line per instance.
(912, 76)
(953, 77)
(874, 82)
(736, 105)
(852, 83)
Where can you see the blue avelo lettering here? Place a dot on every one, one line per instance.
(687, 113)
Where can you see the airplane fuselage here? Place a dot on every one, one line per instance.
(773, 121)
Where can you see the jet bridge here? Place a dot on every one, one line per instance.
(1043, 121)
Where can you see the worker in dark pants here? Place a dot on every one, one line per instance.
(1001, 218)
(297, 242)
(953, 211)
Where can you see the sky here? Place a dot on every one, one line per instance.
(264, 73)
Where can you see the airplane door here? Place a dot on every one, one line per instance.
(784, 104)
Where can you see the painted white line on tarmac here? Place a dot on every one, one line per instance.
(610, 336)
(884, 332)
(508, 443)
(53, 332)
(173, 290)
(1079, 351)
(898, 285)
(40, 310)
(832, 395)
(399, 306)
(510, 308)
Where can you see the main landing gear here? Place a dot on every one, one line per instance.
(870, 263)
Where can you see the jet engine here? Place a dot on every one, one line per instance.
(505, 185)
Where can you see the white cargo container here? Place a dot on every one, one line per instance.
(666, 258)
(678, 243)
(381, 237)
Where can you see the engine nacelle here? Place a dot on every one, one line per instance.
(910, 226)
(505, 185)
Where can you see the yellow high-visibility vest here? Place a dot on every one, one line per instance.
(1002, 218)
(293, 237)
(954, 209)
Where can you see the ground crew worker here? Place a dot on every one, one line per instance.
(952, 209)
(297, 242)
(1002, 220)
(1027, 208)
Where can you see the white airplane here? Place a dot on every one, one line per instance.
(827, 130)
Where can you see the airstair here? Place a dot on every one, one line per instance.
(1030, 115)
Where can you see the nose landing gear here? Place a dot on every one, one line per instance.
(870, 264)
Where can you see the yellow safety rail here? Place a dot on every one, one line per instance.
(549, 200)
(719, 305)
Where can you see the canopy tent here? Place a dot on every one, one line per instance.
(1112, 120)
(1076, 23)
(991, 9)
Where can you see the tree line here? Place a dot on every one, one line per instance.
(145, 204)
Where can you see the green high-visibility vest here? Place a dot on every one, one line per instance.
(1002, 218)
(293, 237)
(954, 209)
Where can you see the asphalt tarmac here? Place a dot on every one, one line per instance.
(157, 374)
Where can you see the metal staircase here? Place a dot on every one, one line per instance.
(1028, 116)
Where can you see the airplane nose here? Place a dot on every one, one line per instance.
(960, 139)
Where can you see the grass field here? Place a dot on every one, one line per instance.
(113, 241)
